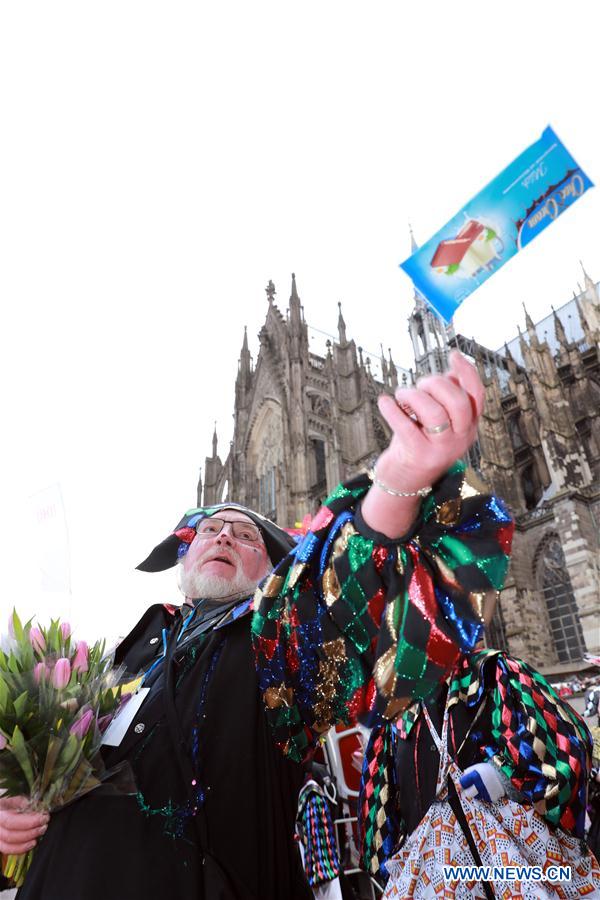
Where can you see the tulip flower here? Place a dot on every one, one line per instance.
(65, 630)
(40, 671)
(38, 641)
(81, 727)
(80, 660)
(3, 741)
(104, 722)
(61, 673)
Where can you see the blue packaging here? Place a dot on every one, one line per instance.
(499, 221)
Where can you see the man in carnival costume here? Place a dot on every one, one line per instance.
(369, 611)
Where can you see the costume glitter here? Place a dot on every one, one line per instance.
(332, 536)
(177, 816)
(427, 592)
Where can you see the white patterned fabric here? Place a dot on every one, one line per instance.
(505, 834)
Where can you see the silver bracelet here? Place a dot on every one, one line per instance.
(422, 492)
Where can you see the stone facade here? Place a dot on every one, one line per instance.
(539, 448)
(305, 420)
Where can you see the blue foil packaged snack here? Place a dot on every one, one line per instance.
(499, 221)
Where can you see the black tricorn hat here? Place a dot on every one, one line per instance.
(277, 541)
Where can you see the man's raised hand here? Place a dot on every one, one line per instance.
(433, 425)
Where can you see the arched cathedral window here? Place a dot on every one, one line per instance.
(266, 494)
(318, 471)
(532, 490)
(555, 584)
(224, 491)
(515, 431)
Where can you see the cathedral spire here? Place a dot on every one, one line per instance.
(294, 295)
(533, 338)
(419, 302)
(584, 322)
(586, 278)
(270, 292)
(510, 360)
(295, 307)
(413, 244)
(199, 489)
(341, 326)
(591, 290)
(559, 330)
(392, 371)
(214, 442)
(245, 358)
(384, 368)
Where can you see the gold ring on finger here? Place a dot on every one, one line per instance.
(436, 429)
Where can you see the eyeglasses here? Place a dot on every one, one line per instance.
(243, 531)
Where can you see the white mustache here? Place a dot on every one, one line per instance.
(232, 556)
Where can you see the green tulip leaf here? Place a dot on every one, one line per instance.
(17, 627)
(13, 665)
(18, 747)
(20, 704)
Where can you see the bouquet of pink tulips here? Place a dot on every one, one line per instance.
(57, 696)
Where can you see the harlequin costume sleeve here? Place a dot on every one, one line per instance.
(536, 739)
(351, 621)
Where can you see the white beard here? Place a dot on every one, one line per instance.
(205, 586)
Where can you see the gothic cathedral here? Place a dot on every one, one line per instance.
(304, 421)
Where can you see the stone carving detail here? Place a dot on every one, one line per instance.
(320, 405)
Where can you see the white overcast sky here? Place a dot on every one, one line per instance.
(159, 162)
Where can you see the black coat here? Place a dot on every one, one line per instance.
(209, 727)
(418, 760)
